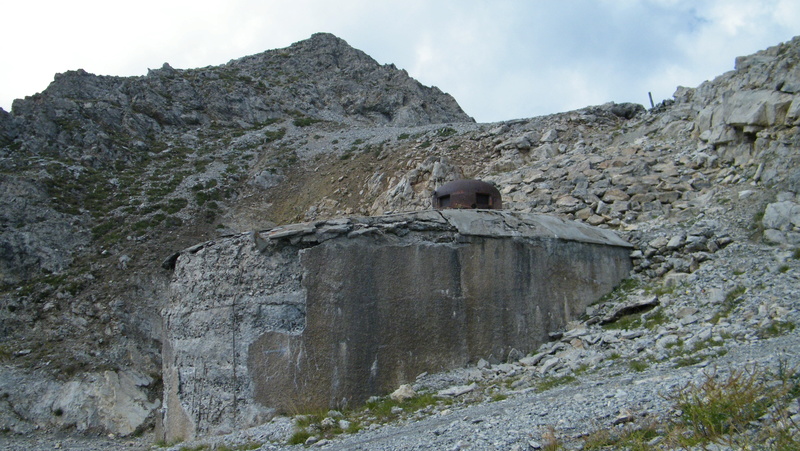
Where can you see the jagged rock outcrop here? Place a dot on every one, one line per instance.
(323, 315)
(106, 119)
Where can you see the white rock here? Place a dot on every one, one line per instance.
(403, 393)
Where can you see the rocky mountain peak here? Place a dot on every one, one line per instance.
(321, 78)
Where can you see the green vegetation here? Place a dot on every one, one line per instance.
(299, 437)
(633, 438)
(732, 299)
(554, 381)
(625, 323)
(275, 135)
(620, 292)
(750, 408)
(305, 121)
(175, 205)
(638, 365)
(722, 410)
(380, 410)
(446, 132)
(776, 329)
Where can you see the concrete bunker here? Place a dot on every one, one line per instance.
(321, 315)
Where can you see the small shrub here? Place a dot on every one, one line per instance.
(638, 365)
(274, 135)
(633, 438)
(100, 230)
(175, 205)
(655, 319)
(732, 299)
(305, 121)
(445, 132)
(724, 410)
(299, 437)
(776, 329)
(625, 323)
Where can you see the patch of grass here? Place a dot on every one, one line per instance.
(166, 444)
(676, 344)
(732, 299)
(661, 290)
(195, 448)
(725, 410)
(699, 352)
(554, 381)
(99, 230)
(383, 407)
(377, 410)
(784, 268)
(633, 438)
(299, 437)
(446, 132)
(625, 323)
(655, 319)
(750, 408)
(681, 362)
(796, 253)
(243, 447)
(638, 365)
(305, 121)
(275, 135)
(620, 292)
(776, 329)
(175, 205)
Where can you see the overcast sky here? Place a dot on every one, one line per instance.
(500, 59)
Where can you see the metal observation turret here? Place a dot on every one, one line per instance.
(473, 194)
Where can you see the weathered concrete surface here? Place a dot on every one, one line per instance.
(321, 315)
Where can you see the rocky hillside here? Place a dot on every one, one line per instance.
(104, 178)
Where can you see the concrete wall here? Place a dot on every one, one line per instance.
(322, 315)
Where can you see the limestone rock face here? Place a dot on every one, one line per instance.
(322, 315)
(321, 78)
(103, 401)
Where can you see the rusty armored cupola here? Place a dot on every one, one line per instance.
(467, 194)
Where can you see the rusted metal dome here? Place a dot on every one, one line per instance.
(467, 194)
